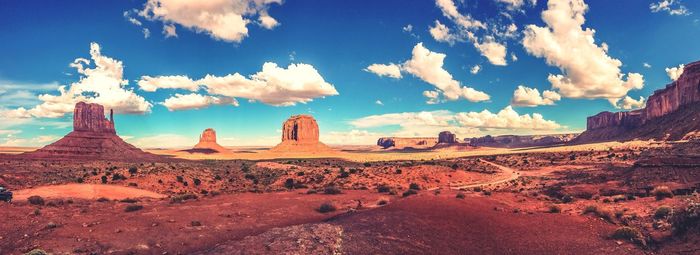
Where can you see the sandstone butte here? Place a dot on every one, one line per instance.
(300, 134)
(670, 113)
(447, 137)
(93, 137)
(207, 141)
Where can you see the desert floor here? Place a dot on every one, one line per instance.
(612, 198)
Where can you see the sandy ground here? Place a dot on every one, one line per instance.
(85, 191)
(373, 153)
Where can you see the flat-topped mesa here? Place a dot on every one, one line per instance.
(207, 141)
(91, 118)
(300, 129)
(407, 142)
(447, 137)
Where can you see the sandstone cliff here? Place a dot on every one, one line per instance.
(520, 141)
(403, 142)
(300, 134)
(660, 119)
(207, 143)
(447, 137)
(93, 137)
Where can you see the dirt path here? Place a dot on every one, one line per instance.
(85, 191)
(512, 174)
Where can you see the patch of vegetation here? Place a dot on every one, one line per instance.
(331, 190)
(35, 200)
(383, 189)
(36, 252)
(409, 193)
(414, 186)
(460, 195)
(102, 200)
(686, 218)
(195, 223)
(103, 179)
(133, 170)
(382, 202)
(628, 234)
(128, 200)
(554, 209)
(662, 192)
(663, 211)
(183, 197)
(196, 181)
(133, 208)
(326, 207)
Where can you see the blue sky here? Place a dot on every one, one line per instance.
(326, 47)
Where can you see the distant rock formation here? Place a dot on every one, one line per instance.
(447, 137)
(520, 141)
(300, 134)
(207, 143)
(93, 137)
(404, 142)
(660, 119)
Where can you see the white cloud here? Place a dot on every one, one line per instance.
(675, 72)
(493, 51)
(12, 141)
(104, 84)
(529, 97)
(647, 65)
(592, 73)
(146, 33)
(629, 103)
(169, 30)
(432, 95)
(352, 137)
(379, 102)
(195, 101)
(428, 66)
(475, 69)
(673, 7)
(408, 28)
(14, 94)
(391, 70)
(225, 20)
(513, 57)
(465, 124)
(449, 9)
(516, 4)
(298, 83)
(441, 33)
(505, 119)
(151, 84)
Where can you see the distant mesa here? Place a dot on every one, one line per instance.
(447, 137)
(520, 141)
(407, 142)
(207, 143)
(93, 137)
(671, 113)
(300, 134)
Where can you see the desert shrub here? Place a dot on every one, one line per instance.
(477, 189)
(326, 207)
(487, 192)
(36, 252)
(661, 192)
(179, 178)
(343, 174)
(567, 199)
(289, 183)
(196, 181)
(133, 208)
(409, 192)
(600, 212)
(627, 233)
(195, 223)
(36, 200)
(686, 218)
(128, 200)
(619, 214)
(383, 189)
(382, 202)
(414, 186)
(663, 212)
(102, 199)
(183, 197)
(331, 190)
(554, 209)
(51, 225)
(367, 164)
(590, 209)
(36, 212)
(398, 171)
(133, 170)
(300, 173)
(79, 180)
(460, 195)
(103, 179)
(116, 177)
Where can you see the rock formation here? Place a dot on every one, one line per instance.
(93, 137)
(300, 134)
(660, 119)
(447, 137)
(404, 142)
(207, 143)
(520, 141)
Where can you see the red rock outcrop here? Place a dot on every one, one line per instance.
(93, 137)
(207, 142)
(447, 137)
(520, 141)
(300, 134)
(679, 95)
(404, 142)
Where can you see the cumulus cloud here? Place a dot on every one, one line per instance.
(530, 97)
(516, 4)
(672, 7)
(274, 85)
(675, 72)
(195, 101)
(449, 9)
(352, 137)
(103, 84)
(379, 102)
(441, 33)
(507, 118)
(391, 70)
(225, 20)
(428, 66)
(169, 30)
(493, 51)
(647, 65)
(592, 73)
(629, 103)
(475, 69)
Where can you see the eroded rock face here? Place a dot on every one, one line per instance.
(519, 141)
(207, 141)
(91, 118)
(405, 142)
(300, 129)
(683, 92)
(93, 137)
(447, 137)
